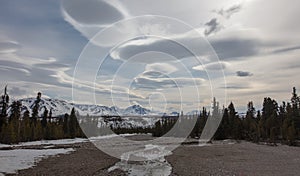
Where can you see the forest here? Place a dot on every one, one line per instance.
(272, 124)
(17, 127)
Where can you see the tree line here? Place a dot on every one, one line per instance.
(273, 124)
(17, 127)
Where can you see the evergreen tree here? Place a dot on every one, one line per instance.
(25, 127)
(215, 108)
(291, 134)
(35, 109)
(38, 133)
(158, 129)
(249, 117)
(224, 130)
(15, 110)
(296, 111)
(73, 124)
(250, 124)
(66, 126)
(295, 99)
(44, 119)
(50, 115)
(14, 119)
(8, 134)
(3, 105)
(269, 115)
(235, 123)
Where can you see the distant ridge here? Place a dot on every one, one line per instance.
(60, 107)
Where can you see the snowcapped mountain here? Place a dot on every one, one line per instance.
(136, 109)
(132, 116)
(194, 112)
(60, 107)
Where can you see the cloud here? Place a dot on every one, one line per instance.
(230, 48)
(155, 49)
(235, 87)
(9, 47)
(16, 91)
(212, 66)
(287, 49)
(92, 12)
(161, 68)
(213, 26)
(230, 45)
(243, 73)
(51, 63)
(165, 82)
(153, 74)
(92, 16)
(35, 70)
(6, 65)
(228, 12)
(164, 75)
(41, 32)
(151, 50)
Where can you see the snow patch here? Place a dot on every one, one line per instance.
(14, 160)
(47, 142)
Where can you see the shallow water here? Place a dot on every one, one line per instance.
(154, 163)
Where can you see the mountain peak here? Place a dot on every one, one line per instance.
(60, 107)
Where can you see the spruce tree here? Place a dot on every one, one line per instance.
(224, 130)
(26, 128)
(250, 124)
(50, 115)
(35, 109)
(14, 119)
(291, 134)
(269, 115)
(15, 110)
(4, 105)
(66, 126)
(44, 119)
(235, 123)
(73, 124)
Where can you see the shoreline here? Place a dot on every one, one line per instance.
(86, 159)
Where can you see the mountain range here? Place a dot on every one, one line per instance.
(60, 107)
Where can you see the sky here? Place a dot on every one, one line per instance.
(164, 55)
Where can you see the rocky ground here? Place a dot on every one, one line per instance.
(86, 160)
(243, 158)
(219, 158)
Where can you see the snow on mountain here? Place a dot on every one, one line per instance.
(194, 112)
(96, 110)
(60, 107)
(131, 122)
(174, 113)
(136, 110)
(132, 116)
